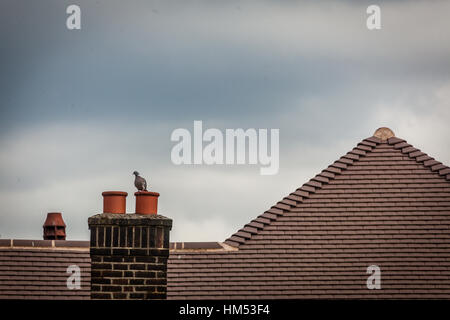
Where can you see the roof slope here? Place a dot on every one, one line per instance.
(384, 203)
(36, 269)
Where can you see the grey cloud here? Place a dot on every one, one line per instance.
(212, 59)
(79, 111)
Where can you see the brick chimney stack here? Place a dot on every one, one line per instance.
(128, 251)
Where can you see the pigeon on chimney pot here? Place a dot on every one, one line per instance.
(140, 182)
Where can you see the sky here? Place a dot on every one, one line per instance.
(80, 110)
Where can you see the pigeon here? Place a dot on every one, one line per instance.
(140, 182)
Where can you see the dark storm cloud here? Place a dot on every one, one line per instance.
(203, 60)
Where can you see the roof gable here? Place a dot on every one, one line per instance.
(383, 160)
(384, 203)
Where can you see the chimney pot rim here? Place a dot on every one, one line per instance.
(114, 193)
(146, 193)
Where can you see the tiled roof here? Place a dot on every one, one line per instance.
(384, 203)
(37, 269)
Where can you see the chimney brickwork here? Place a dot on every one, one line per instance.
(129, 255)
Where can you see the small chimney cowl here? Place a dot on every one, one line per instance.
(54, 227)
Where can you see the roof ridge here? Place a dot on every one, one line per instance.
(420, 157)
(308, 188)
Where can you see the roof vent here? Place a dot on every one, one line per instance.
(54, 227)
(384, 133)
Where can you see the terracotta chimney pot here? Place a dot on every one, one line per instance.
(114, 201)
(146, 202)
(54, 227)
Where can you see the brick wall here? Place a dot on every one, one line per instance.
(129, 256)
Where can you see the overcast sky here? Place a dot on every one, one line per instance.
(81, 110)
